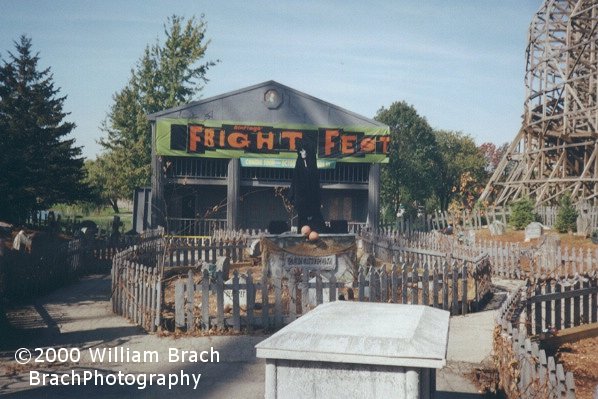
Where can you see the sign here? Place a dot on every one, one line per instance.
(327, 263)
(281, 163)
(214, 139)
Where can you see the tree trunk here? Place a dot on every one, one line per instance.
(114, 205)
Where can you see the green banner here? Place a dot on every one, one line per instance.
(287, 163)
(229, 139)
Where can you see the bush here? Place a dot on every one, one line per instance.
(522, 213)
(566, 219)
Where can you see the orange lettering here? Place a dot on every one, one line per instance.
(368, 144)
(268, 141)
(209, 138)
(238, 140)
(329, 145)
(222, 138)
(384, 140)
(347, 143)
(194, 137)
(292, 137)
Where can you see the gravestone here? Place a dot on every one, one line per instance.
(312, 295)
(223, 265)
(254, 249)
(363, 350)
(533, 230)
(584, 225)
(228, 293)
(497, 228)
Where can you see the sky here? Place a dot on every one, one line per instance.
(460, 63)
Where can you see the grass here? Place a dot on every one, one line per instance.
(102, 216)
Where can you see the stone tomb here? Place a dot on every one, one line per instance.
(228, 293)
(533, 230)
(357, 350)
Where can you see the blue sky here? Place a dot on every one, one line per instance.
(461, 63)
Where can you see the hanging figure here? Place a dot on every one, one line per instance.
(305, 190)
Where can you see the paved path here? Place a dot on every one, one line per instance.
(80, 316)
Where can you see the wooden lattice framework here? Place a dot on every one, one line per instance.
(556, 150)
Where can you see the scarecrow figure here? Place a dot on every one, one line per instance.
(305, 190)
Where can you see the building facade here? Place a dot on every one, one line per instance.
(227, 161)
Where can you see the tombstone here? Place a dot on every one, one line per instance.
(21, 241)
(255, 249)
(533, 230)
(312, 294)
(367, 260)
(584, 224)
(223, 265)
(335, 348)
(497, 228)
(228, 293)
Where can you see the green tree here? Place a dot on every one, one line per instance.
(411, 173)
(167, 75)
(40, 165)
(566, 218)
(100, 178)
(462, 170)
(522, 213)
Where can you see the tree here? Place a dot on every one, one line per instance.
(492, 154)
(566, 218)
(40, 165)
(461, 173)
(411, 173)
(101, 179)
(167, 75)
(522, 213)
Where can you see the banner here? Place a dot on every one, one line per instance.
(222, 139)
(326, 263)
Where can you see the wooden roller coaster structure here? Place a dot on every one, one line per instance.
(556, 150)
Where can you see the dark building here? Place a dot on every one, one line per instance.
(225, 161)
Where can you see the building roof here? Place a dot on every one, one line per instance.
(249, 105)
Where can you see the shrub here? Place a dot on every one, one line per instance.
(522, 213)
(566, 218)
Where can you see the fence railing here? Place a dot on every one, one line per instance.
(189, 251)
(561, 303)
(137, 281)
(273, 302)
(525, 370)
(194, 227)
(26, 274)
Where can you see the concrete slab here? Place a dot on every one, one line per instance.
(364, 333)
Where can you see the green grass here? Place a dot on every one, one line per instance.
(102, 216)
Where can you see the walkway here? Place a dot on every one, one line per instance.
(80, 316)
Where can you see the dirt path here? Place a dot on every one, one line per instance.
(80, 316)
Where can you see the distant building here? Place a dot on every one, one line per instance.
(216, 163)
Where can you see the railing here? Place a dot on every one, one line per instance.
(189, 251)
(205, 168)
(137, 281)
(273, 302)
(525, 370)
(194, 227)
(46, 266)
(561, 304)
